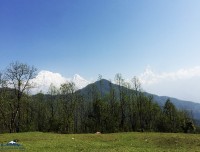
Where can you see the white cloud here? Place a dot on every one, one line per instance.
(182, 84)
(44, 79)
(149, 77)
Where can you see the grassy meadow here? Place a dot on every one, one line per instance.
(121, 142)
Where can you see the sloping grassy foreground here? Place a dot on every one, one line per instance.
(122, 142)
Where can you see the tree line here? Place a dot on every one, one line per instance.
(123, 108)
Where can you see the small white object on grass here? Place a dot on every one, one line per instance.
(12, 142)
(98, 132)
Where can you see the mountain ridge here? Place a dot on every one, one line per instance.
(104, 85)
(44, 79)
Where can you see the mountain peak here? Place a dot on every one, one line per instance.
(79, 81)
(77, 77)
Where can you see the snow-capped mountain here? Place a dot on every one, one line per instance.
(44, 79)
(79, 81)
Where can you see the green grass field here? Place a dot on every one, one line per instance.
(121, 142)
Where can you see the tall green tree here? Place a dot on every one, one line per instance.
(113, 106)
(68, 107)
(140, 101)
(52, 103)
(119, 81)
(5, 101)
(40, 111)
(170, 116)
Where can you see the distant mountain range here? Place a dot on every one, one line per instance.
(180, 104)
(44, 79)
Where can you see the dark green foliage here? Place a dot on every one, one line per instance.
(102, 107)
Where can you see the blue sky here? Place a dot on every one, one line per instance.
(92, 37)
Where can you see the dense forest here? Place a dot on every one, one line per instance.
(122, 108)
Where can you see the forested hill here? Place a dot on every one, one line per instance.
(104, 86)
(101, 106)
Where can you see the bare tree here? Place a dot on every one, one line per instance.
(136, 85)
(18, 76)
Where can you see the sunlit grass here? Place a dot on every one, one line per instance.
(122, 142)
